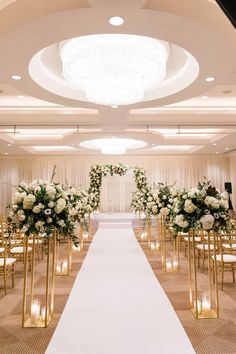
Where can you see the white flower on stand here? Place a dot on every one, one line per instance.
(212, 202)
(180, 220)
(36, 209)
(29, 201)
(189, 207)
(207, 221)
(224, 204)
(225, 195)
(60, 205)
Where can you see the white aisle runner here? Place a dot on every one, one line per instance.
(116, 305)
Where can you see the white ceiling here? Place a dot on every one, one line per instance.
(199, 119)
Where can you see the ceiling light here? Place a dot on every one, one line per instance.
(173, 147)
(9, 145)
(210, 79)
(184, 132)
(114, 69)
(204, 97)
(226, 148)
(20, 96)
(53, 148)
(16, 77)
(116, 20)
(5, 153)
(113, 146)
(214, 144)
(217, 152)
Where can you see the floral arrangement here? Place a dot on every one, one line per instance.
(96, 174)
(142, 196)
(161, 200)
(201, 208)
(80, 202)
(41, 207)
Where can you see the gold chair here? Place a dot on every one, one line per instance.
(226, 258)
(7, 265)
(17, 249)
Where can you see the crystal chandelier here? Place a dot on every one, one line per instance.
(114, 69)
(113, 146)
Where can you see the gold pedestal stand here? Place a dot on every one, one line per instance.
(170, 256)
(33, 313)
(63, 264)
(204, 301)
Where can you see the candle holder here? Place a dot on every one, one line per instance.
(203, 296)
(63, 261)
(170, 254)
(33, 313)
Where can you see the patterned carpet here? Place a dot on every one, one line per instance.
(207, 336)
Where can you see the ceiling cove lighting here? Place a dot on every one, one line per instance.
(43, 148)
(114, 69)
(113, 146)
(116, 20)
(172, 147)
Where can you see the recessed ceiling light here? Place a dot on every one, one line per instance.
(210, 79)
(113, 146)
(214, 144)
(114, 106)
(5, 153)
(226, 148)
(116, 20)
(20, 96)
(9, 145)
(204, 97)
(217, 152)
(16, 77)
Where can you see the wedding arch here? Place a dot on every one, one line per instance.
(97, 172)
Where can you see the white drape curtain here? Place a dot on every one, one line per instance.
(116, 191)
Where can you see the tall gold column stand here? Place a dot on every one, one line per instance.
(63, 261)
(203, 296)
(38, 312)
(170, 256)
(144, 228)
(155, 245)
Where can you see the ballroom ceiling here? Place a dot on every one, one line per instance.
(186, 114)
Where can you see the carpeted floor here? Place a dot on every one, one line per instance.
(207, 336)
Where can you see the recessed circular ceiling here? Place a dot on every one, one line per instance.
(113, 69)
(113, 146)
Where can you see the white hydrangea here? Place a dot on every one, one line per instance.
(193, 192)
(224, 204)
(19, 197)
(51, 191)
(225, 195)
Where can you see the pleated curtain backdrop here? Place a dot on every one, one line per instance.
(186, 171)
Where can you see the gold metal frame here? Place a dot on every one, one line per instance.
(170, 263)
(67, 259)
(204, 303)
(44, 317)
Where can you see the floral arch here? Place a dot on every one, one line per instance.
(97, 172)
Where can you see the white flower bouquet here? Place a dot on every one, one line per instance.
(41, 207)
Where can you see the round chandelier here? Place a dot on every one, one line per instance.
(114, 69)
(113, 146)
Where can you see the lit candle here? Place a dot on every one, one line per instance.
(157, 246)
(143, 235)
(169, 266)
(175, 265)
(76, 249)
(152, 246)
(206, 306)
(198, 306)
(64, 267)
(43, 313)
(58, 268)
(85, 235)
(35, 311)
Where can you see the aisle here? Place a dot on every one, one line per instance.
(116, 305)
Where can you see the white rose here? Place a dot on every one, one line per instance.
(180, 221)
(189, 207)
(51, 204)
(165, 211)
(60, 205)
(207, 221)
(36, 209)
(225, 195)
(224, 204)
(212, 202)
(22, 217)
(28, 201)
(49, 220)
